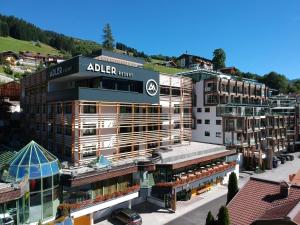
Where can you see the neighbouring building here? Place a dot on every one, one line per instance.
(237, 113)
(194, 62)
(229, 70)
(285, 105)
(122, 133)
(264, 202)
(9, 109)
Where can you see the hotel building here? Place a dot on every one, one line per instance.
(122, 133)
(237, 113)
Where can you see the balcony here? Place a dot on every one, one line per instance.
(196, 175)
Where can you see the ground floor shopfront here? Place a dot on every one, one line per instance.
(193, 182)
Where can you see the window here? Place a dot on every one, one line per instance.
(68, 108)
(58, 129)
(68, 130)
(89, 129)
(199, 121)
(218, 134)
(176, 108)
(199, 110)
(89, 151)
(88, 154)
(207, 133)
(207, 109)
(58, 108)
(89, 109)
(108, 83)
(175, 91)
(164, 90)
(207, 121)
(218, 122)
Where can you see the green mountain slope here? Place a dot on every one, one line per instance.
(11, 44)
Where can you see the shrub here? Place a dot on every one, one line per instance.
(8, 70)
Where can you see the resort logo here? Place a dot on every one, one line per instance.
(60, 70)
(99, 68)
(151, 87)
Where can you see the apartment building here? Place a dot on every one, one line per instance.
(236, 112)
(285, 105)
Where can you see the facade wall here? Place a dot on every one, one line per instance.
(80, 131)
(201, 116)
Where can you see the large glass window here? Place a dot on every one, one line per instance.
(35, 199)
(108, 83)
(35, 185)
(47, 183)
(47, 204)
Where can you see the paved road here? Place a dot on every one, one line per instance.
(198, 215)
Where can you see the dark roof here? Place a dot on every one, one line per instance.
(118, 56)
(257, 197)
(97, 175)
(195, 56)
(279, 211)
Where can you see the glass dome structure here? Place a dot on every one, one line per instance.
(42, 170)
(33, 161)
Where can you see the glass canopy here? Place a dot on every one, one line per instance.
(33, 161)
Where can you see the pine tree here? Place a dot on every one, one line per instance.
(223, 216)
(210, 220)
(233, 188)
(219, 59)
(108, 40)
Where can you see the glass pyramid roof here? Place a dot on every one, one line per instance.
(33, 161)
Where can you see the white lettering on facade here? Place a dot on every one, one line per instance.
(107, 69)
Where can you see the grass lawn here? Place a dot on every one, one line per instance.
(11, 44)
(163, 69)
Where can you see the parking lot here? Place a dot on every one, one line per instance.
(283, 171)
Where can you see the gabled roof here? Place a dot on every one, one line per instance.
(296, 178)
(195, 56)
(260, 198)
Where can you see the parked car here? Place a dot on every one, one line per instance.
(291, 157)
(7, 221)
(127, 216)
(286, 157)
(282, 159)
(275, 163)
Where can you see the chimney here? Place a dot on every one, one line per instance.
(284, 189)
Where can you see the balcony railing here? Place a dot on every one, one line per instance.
(197, 175)
(98, 199)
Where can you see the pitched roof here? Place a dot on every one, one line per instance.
(296, 179)
(280, 211)
(260, 198)
(198, 57)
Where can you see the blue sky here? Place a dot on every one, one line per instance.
(258, 35)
